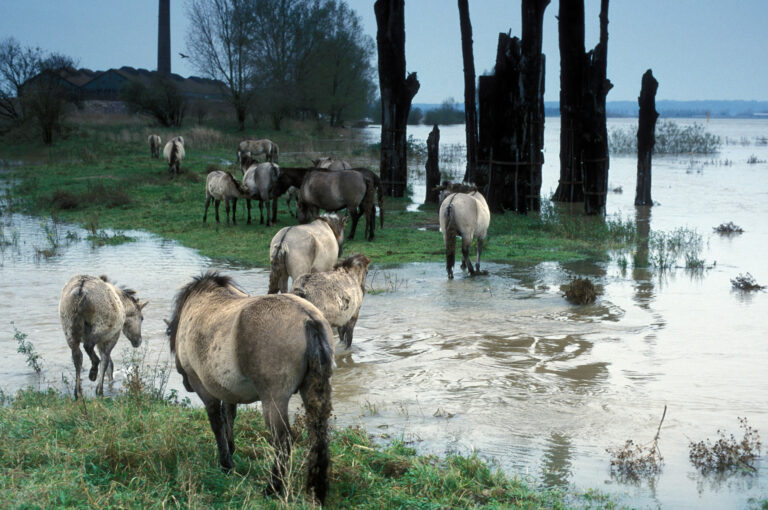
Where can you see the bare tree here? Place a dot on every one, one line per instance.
(17, 65)
(220, 45)
(47, 96)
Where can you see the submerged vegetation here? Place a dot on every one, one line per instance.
(727, 453)
(746, 282)
(634, 461)
(581, 291)
(670, 139)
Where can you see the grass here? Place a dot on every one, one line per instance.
(102, 177)
(141, 452)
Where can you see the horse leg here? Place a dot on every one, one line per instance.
(94, 360)
(230, 413)
(479, 251)
(248, 204)
(219, 426)
(261, 212)
(234, 211)
(207, 203)
(466, 242)
(77, 358)
(276, 418)
(216, 203)
(346, 331)
(105, 349)
(355, 218)
(226, 209)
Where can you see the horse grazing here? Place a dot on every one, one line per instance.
(154, 145)
(290, 177)
(93, 311)
(338, 293)
(173, 152)
(301, 249)
(253, 148)
(259, 180)
(335, 190)
(232, 348)
(464, 212)
(220, 185)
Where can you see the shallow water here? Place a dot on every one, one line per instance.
(502, 363)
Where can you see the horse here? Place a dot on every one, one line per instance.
(300, 249)
(335, 190)
(290, 177)
(220, 185)
(259, 180)
(173, 152)
(255, 147)
(337, 293)
(231, 348)
(154, 146)
(93, 311)
(331, 163)
(464, 212)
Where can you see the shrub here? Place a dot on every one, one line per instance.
(670, 139)
(727, 453)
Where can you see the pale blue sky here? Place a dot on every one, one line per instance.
(698, 49)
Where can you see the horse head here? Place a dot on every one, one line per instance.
(133, 316)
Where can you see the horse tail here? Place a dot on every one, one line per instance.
(277, 266)
(75, 318)
(316, 395)
(449, 236)
(174, 159)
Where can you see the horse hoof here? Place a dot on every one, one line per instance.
(92, 375)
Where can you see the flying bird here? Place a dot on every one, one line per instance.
(183, 55)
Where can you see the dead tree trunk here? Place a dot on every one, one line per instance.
(596, 160)
(432, 166)
(512, 117)
(570, 27)
(470, 111)
(646, 137)
(397, 92)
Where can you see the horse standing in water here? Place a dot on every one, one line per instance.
(464, 212)
(301, 249)
(232, 348)
(338, 293)
(93, 311)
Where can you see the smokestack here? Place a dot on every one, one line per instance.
(164, 38)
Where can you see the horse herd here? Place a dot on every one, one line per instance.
(233, 348)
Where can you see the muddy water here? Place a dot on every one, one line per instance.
(501, 363)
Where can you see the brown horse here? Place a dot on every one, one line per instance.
(93, 312)
(463, 212)
(253, 148)
(335, 190)
(301, 249)
(220, 185)
(338, 293)
(232, 348)
(290, 177)
(331, 163)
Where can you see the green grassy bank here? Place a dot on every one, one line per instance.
(136, 451)
(101, 176)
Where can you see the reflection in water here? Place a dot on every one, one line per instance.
(641, 272)
(556, 460)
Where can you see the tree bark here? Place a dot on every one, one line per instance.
(397, 92)
(432, 166)
(470, 111)
(571, 36)
(646, 137)
(595, 136)
(512, 118)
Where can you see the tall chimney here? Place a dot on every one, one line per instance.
(164, 38)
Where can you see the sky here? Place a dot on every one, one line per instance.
(697, 49)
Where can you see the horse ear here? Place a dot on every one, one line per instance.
(142, 305)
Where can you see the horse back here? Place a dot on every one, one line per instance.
(94, 301)
(334, 190)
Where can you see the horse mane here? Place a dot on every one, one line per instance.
(334, 222)
(206, 281)
(456, 187)
(352, 261)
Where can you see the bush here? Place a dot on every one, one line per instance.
(670, 139)
(162, 100)
(448, 113)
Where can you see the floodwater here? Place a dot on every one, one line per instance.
(502, 364)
